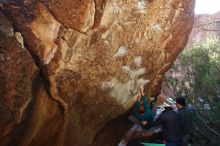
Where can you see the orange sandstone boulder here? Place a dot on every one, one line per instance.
(93, 56)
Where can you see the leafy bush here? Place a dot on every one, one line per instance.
(202, 65)
(201, 85)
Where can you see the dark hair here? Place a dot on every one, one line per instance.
(141, 109)
(181, 101)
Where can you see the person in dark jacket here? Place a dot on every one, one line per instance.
(185, 119)
(171, 128)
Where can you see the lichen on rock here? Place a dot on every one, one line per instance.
(94, 55)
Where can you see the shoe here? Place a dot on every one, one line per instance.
(122, 143)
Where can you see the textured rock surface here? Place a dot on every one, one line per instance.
(17, 72)
(93, 55)
(205, 27)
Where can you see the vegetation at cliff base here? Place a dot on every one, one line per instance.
(201, 87)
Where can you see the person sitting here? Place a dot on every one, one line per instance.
(156, 112)
(142, 115)
(159, 108)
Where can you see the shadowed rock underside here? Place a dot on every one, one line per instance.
(70, 68)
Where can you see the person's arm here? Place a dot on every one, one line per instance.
(158, 112)
(189, 114)
(136, 108)
(158, 121)
(147, 109)
(147, 114)
(182, 118)
(146, 106)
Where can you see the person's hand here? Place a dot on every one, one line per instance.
(144, 123)
(142, 90)
(136, 97)
(139, 96)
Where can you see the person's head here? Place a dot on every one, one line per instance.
(141, 109)
(169, 102)
(160, 99)
(180, 102)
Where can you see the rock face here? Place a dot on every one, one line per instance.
(205, 27)
(17, 73)
(92, 57)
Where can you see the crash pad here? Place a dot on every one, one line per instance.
(152, 144)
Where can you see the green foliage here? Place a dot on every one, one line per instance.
(214, 116)
(202, 65)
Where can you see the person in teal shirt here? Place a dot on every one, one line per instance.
(142, 111)
(141, 118)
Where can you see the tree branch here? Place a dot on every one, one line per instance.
(204, 122)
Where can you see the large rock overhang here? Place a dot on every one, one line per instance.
(94, 55)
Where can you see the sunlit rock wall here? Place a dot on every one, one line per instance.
(92, 57)
(205, 27)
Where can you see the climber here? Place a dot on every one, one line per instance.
(142, 111)
(169, 121)
(185, 119)
(142, 116)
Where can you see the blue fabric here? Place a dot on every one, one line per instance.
(171, 144)
(147, 114)
(137, 128)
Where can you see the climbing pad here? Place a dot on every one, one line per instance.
(152, 144)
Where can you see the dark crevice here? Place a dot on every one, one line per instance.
(40, 79)
(22, 127)
(30, 46)
(33, 45)
(99, 9)
(16, 28)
